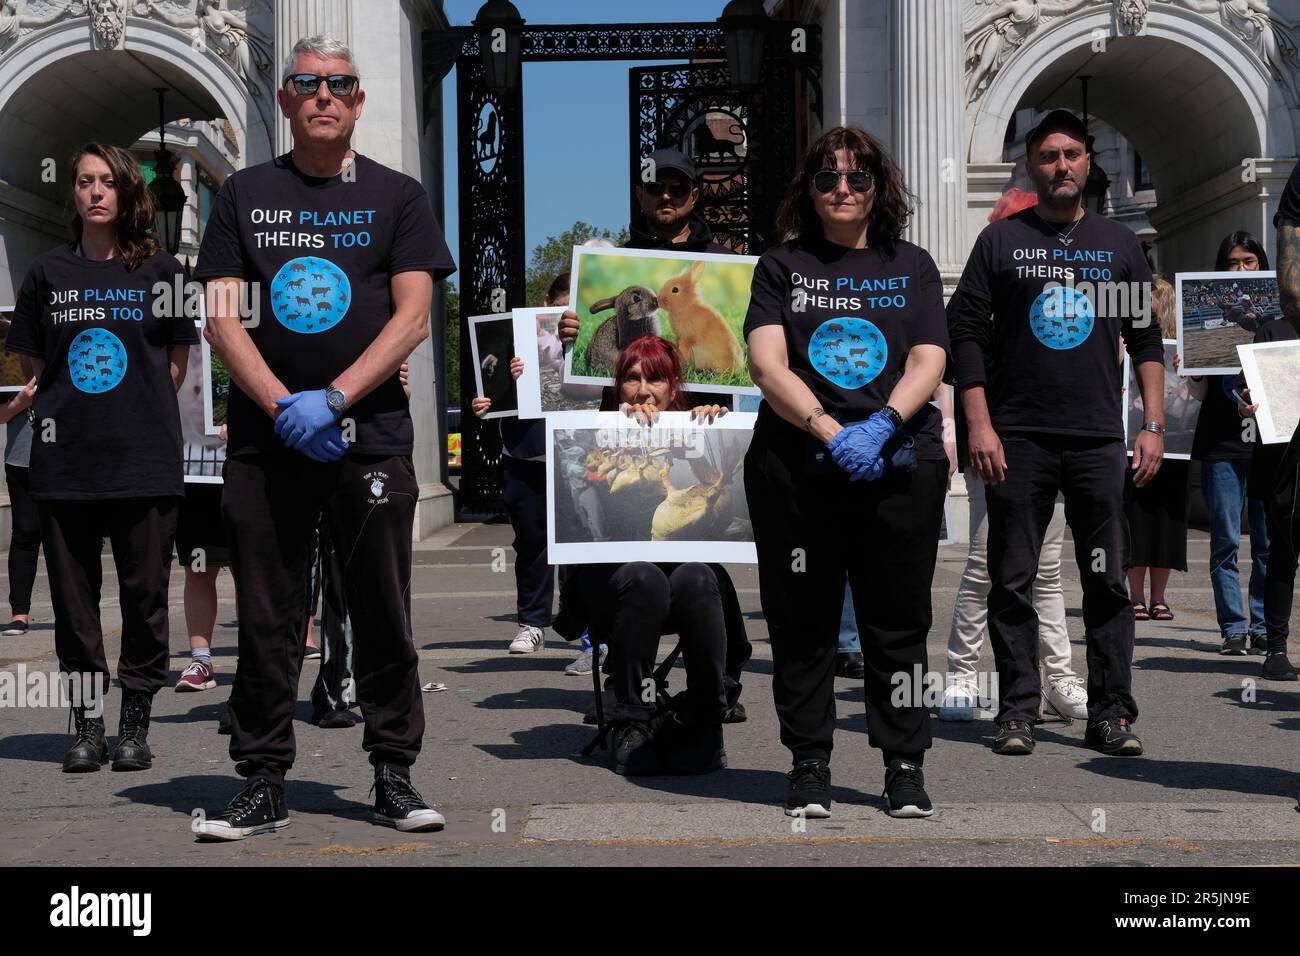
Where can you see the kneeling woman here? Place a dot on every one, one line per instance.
(846, 472)
(630, 606)
(106, 459)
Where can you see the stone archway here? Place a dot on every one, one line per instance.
(1209, 119)
(59, 87)
(209, 77)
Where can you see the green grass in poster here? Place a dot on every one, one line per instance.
(724, 286)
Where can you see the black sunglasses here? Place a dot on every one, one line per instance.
(340, 84)
(677, 188)
(826, 180)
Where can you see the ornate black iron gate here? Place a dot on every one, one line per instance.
(675, 105)
(743, 145)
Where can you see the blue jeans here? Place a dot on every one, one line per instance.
(849, 643)
(1224, 485)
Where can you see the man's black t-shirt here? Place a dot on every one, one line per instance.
(850, 318)
(322, 252)
(1049, 357)
(1288, 207)
(106, 389)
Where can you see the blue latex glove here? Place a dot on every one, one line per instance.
(305, 413)
(856, 448)
(327, 445)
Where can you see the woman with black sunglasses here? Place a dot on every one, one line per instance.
(846, 471)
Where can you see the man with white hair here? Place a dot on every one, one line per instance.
(341, 255)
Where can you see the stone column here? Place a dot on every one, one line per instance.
(929, 124)
(929, 143)
(295, 19)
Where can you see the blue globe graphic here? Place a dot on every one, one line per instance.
(96, 361)
(849, 351)
(310, 295)
(1062, 318)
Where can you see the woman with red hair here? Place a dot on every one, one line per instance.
(629, 607)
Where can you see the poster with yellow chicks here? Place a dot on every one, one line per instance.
(618, 490)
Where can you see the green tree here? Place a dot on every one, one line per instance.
(452, 345)
(555, 255)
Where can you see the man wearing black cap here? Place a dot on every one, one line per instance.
(667, 198)
(1040, 386)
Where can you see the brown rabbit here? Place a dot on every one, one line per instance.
(703, 336)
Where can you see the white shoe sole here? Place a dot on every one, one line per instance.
(957, 713)
(429, 820)
(811, 811)
(525, 650)
(909, 812)
(209, 832)
(12, 633)
(183, 688)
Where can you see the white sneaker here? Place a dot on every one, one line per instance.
(958, 701)
(1067, 696)
(528, 639)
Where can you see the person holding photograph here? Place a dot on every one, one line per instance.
(847, 470)
(1042, 390)
(25, 529)
(629, 607)
(523, 489)
(1157, 512)
(1223, 444)
(320, 427)
(667, 218)
(107, 355)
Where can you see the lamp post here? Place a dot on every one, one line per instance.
(499, 26)
(168, 195)
(744, 25)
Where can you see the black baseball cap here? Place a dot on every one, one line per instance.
(1057, 121)
(673, 159)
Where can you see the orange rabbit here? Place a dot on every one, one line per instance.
(703, 336)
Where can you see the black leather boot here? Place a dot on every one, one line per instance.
(132, 751)
(89, 749)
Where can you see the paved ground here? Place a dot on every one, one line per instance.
(1219, 784)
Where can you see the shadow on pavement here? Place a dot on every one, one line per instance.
(42, 748)
(1245, 666)
(541, 698)
(548, 742)
(1266, 699)
(1200, 775)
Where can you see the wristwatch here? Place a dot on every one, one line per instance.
(335, 398)
(1154, 427)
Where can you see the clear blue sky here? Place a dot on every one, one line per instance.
(568, 107)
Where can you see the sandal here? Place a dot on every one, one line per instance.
(1160, 612)
(1140, 612)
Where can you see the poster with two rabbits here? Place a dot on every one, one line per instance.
(697, 300)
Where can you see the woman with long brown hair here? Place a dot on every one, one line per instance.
(108, 353)
(846, 472)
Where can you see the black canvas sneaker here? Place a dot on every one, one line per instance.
(259, 808)
(398, 804)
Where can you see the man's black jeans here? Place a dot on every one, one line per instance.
(1089, 473)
